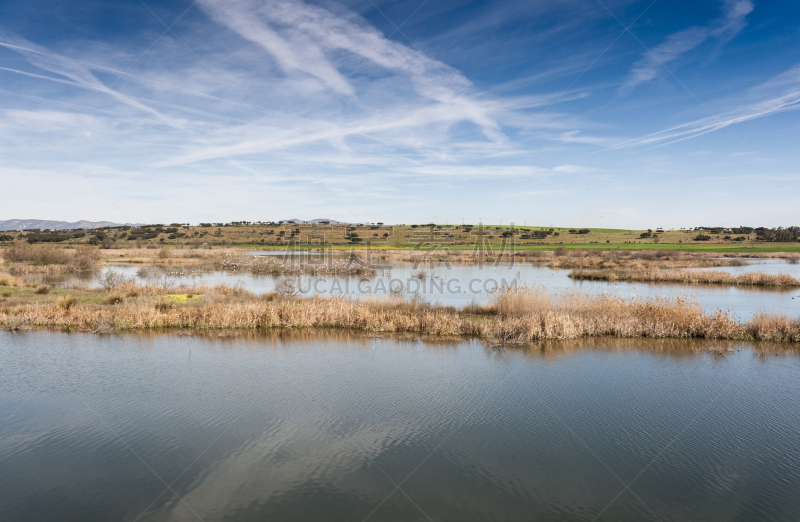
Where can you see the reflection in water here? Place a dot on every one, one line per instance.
(310, 425)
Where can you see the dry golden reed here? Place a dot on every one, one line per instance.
(50, 259)
(690, 277)
(512, 317)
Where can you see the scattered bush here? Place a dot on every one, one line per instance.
(43, 289)
(85, 259)
(112, 279)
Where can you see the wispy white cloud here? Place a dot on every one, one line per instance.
(80, 74)
(355, 108)
(652, 62)
(312, 106)
(779, 94)
(310, 39)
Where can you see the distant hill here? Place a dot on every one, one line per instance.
(27, 224)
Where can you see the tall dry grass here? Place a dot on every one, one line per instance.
(690, 277)
(639, 260)
(564, 258)
(512, 317)
(50, 259)
(289, 265)
(9, 280)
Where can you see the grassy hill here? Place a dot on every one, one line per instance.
(282, 236)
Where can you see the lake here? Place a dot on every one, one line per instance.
(320, 425)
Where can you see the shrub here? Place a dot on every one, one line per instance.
(47, 255)
(67, 302)
(85, 258)
(163, 253)
(561, 251)
(43, 289)
(112, 279)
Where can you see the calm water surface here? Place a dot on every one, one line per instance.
(334, 427)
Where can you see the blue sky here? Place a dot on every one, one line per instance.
(577, 113)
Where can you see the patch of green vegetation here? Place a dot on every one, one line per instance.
(182, 298)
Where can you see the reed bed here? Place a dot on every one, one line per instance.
(574, 259)
(288, 265)
(752, 279)
(516, 316)
(50, 260)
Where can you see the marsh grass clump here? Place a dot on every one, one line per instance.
(43, 289)
(164, 305)
(66, 303)
(269, 296)
(9, 280)
(114, 299)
